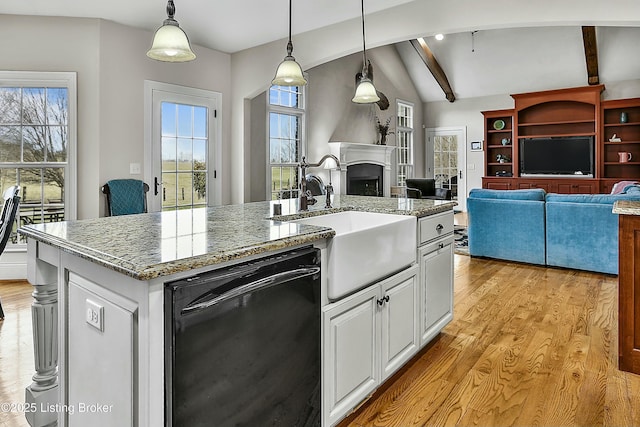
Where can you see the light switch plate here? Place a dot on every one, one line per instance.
(134, 168)
(95, 314)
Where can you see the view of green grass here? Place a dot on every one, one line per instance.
(178, 186)
(283, 178)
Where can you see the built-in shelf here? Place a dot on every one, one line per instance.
(563, 122)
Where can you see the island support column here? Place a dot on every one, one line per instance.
(42, 395)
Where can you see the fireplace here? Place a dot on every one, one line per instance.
(365, 179)
(364, 168)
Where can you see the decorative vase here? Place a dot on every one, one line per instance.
(383, 139)
(624, 118)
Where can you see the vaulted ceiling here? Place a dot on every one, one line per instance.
(516, 60)
(224, 25)
(475, 62)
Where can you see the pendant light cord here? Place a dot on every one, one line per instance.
(289, 44)
(364, 48)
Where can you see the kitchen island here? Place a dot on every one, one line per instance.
(124, 263)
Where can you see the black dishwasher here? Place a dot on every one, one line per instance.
(244, 344)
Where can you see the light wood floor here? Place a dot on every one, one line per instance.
(528, 346)
(16, 350)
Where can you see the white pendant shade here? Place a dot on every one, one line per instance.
(170, 43)
(365, 92)
(289, 73)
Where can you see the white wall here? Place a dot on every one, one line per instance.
(252, 69)
(111, 67)
(123, 69)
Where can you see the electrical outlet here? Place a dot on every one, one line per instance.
(95, 314)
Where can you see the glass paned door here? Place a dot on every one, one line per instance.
(184, 156)
(182, 147)
(447, 146)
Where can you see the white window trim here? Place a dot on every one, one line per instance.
(301, 112)
(14, 264)
(410, 130)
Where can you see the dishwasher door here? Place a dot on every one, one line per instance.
(244, 344)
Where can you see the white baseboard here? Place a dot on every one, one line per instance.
(13, 265)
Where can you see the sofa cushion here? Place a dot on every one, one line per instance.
(631, 189)
(537, 194)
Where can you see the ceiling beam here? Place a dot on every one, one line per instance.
(432, 64)
(591, 54)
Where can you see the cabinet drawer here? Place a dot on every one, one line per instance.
(435, 226)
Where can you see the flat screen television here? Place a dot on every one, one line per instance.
(571, 155)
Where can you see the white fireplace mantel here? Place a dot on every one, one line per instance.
(352, 153)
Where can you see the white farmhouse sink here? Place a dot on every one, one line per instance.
(367, 247)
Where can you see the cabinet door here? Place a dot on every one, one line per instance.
(629, 294)
(437, 288)
(351, 352)
(399, 303)
(577, 187)
(101, 365)
(498, 183)
(547, 186)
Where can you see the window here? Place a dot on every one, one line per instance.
(404, 150)
(184, 156)
(286, 118)
(37, 137)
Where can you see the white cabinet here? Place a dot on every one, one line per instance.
(101, 370)
(367, 336)
(435, 255)
(436, 287)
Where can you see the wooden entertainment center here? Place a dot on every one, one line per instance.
(563, 113)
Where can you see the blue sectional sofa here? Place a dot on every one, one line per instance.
(563, 230)
(507, 224)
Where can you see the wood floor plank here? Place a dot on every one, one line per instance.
(16, 349)
(528, 346)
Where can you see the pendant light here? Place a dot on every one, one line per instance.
(289, 72)
(365, 91)
(170, 43)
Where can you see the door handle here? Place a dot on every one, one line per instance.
(273, 280)
(382, 300)
(156, 184)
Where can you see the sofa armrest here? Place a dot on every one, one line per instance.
(507, 229)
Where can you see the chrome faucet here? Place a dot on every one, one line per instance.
(306, 198)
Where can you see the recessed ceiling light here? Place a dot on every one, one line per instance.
(439, 36)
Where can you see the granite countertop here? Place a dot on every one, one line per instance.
(626, 207)
(147, 246)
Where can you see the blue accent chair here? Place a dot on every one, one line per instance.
(582, 231)
(507, 225)
(125, 196)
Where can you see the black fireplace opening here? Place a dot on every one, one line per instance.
(365, 179)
